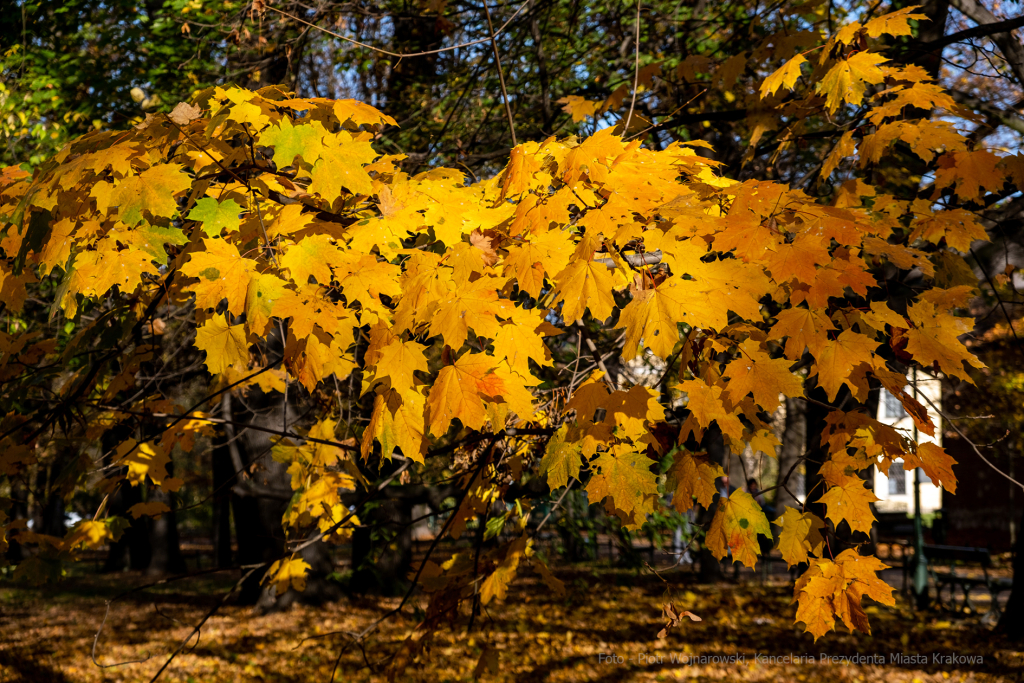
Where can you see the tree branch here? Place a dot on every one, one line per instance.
(1000, 31)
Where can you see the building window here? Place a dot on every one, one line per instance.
(897, 479)
(892, 408)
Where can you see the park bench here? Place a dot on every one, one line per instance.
(962, 557)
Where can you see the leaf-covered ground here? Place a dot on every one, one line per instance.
(604, 630)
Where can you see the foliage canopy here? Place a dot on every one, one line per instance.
(270, 233)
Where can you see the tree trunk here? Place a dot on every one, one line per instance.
(929, 31)
(1011, 623)
(260, 498)
(815, 414)
(163, 534)
(133, 550)
(382, 549)
(223, 479)
(794, 440)
(411, 78)
(257, 513)
(49, 517)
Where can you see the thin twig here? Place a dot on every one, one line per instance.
(199, 626)
(557, 504)
(235, 423)
(636, 69)
(501, 75)
(96, 639)
(597, 357)
(973, 446)
(415, 579)
(404, 54)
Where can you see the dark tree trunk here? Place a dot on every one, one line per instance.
(223, 479)
(260, 498)
(133, 550)
(49, 517)
(929, 31)
(256, 544)
(19, 510)
(1011, 622)
(382, 549)
(167, 557)
(411, 78)
(815, 414)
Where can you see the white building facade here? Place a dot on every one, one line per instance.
(896, 491)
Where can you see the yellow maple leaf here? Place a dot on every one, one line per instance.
(838, 360)
(517, 177)
(805, 328)
(143, 459)
(285, 574)
(223, 274)
(579, 108)
(313, 256)
(589, 397)
(934, 339)
(519, 339)
(89, 534)
(624, 476)
(341, 166)
(970, 172)
(459, 392)
(360, 114)
(151, 191)
(693, 475)
(633, 412)
(397, 362)
(851, 502)
(584, 284)
(757, 373)
(800, 536)
(737, 523)
(653, 316)
(706, 404)
(936, 463)
(847, 80)
(894, 23)
(831, 589)
(471, 305)
(561, 459)
(263, 290)
(225, 344)
(844, 149)
(814, 595)
(496, 585)
(784, 77)
(958, 227)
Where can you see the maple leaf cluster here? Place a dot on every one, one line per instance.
(270, 215)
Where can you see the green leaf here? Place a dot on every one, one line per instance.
(288, 141)
(561, 460)
(215, 216)
(495, 525)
